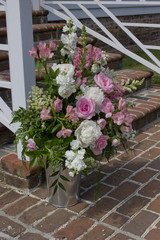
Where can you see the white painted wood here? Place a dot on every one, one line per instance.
(2, 8)
(36, 5)
(5, 84)
(116, 2)
(6, 122)
(3, 2)
(4, 47)
(147, 25)
(152, 47)
(6, 110)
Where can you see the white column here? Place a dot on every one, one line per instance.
(20, 41)
(36, 5)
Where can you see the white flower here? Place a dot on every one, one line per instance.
(65, 28)
(70, 155)
(65, 69)
(70, 39)
(71, 174)
(64, 80)
(87, 133)
(96, 94)
(66, 91)
(95, 68)
(75, 144)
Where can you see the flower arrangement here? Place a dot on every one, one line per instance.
(79, 114)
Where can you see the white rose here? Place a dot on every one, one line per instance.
(87, 133)
(66, 91)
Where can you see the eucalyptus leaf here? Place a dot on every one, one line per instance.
(64, 178)
(61, 186)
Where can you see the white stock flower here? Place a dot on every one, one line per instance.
(96, 94)
(87, 133)
(65, 69)
(66, 91)
(70, 39)
(75, 144)
(70, 155)
(65, 28)
(64, 80)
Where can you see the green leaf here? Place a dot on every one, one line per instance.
(55, 190)
(54, 183)
(54, 174)
(64, 178)
(33, 163)
(61, 186)
(55, 128)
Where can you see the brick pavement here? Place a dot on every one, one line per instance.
(127, 205)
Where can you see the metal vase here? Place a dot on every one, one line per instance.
(67, 197)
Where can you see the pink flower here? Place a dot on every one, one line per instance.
(84, 80)
(102, 123)
(107, 107)
(78, 81)
(122, 103)
(42, 46)
(52, 45)
(31, 145)
(118, 118)
(78, 73)
(33, 52)
(128, 118)
(115, 142)
(85, 107)
(104, 82)
(45, 114)
(64, 132)
(125, 129)
(46, 53)
(72, 114)
(100, 144)
(58, 105)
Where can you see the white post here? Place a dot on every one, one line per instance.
(20, 41)
(36, 5)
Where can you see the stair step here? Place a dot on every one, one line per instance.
(147, 106)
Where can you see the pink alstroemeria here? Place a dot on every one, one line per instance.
(122, 103)
(71, 114)
(52, 45)
(33, 52)
(45, 114)
(85, 107)
(46, 53)
(107, 107)
(118, 118)
(58, 105)
(64, 132)
(31, 145)
(100, 144)
(42, 46)
(102, 123)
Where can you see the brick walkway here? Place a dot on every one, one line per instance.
(128, 207)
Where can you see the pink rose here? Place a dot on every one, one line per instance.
(71, 114)
(104, 82)
(118, 118)
(31, 145)
(107, 107)
(64, 132)
(45, 114)
(100, 144)
(102, 123)
(57, 105)
(115, 142)
(85, 107)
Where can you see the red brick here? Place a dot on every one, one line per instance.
(78, 207)
(152, 129)
(124, 190)
(13, 165)
(155, 137)
(3, 190)
(91, 179)
(116, 178)
(151, 189)
(155, 164)
(99, 232)
(111, 166)
(136, 164)
(129, 155)
(152, 153)
(9, 197)
(41, 192)
(75, 229)
(154, 234)
(96, 192)
(144, 175)
(155, 205)
(149, 107)
(140, 223)
(9, 227)
(31, 236)
(133, 205)
(101, 208)
(136, 114)
(121, 236)
(20, 206)
(54, 221)
(35, 213)
(144, 145)
(140, 137)
(116, 220)
(158, 224)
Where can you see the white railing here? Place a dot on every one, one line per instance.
(65, 13)
(20, 41)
